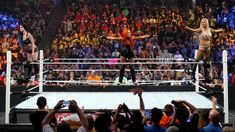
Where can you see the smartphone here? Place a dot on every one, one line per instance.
(65, 103)
(188, 120)
(147, 114)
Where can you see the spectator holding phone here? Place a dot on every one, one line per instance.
(64, 126)
(186, 114)
(72, 119)
(134, 120)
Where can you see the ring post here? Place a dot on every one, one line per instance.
(196, 75)
(225, 83)
(197, 79)
(40, 71)
(8, 87)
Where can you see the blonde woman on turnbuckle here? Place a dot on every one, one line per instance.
(205, 41)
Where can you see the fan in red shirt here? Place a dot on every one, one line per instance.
(127, 54)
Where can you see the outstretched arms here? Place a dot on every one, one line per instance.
(141, 37)
(217, 30)
(134, 37)
(114, 38)
(192, 29)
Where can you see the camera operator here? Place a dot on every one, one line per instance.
(64, 126)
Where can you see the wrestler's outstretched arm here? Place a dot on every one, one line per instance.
(141, 37)
(114, 38)
(217, 30)
(192, 29)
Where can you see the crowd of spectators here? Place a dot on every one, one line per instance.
(34, 15)
(177, 116)
(85, 26)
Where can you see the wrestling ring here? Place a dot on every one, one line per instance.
(109, 100)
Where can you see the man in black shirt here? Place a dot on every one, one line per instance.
(37, 116)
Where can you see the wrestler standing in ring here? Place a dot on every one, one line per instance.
(205, 37)
(127, 54)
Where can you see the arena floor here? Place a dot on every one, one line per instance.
(110, 100)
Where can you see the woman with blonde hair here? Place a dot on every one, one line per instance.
(205, 43)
